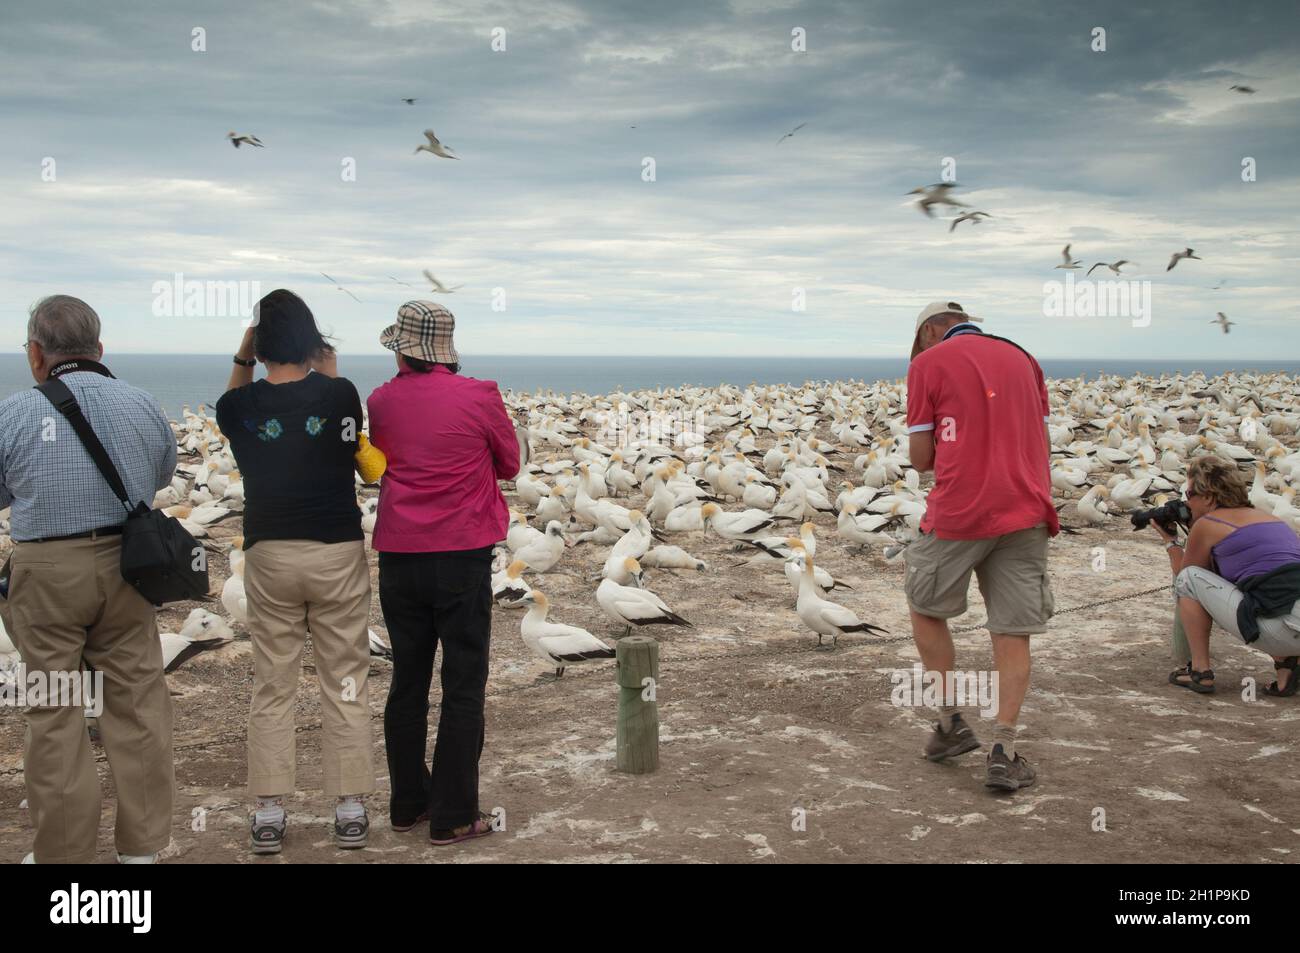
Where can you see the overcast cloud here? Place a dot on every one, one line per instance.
(1129, 153)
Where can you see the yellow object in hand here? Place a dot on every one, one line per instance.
(370, 460)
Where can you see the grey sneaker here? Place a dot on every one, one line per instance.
(1005, 774)
(268, 837)
(352, 833)
(948, 744)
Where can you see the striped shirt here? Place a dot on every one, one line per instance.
(51, 481)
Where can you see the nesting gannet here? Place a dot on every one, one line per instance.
(1222, 321)
(1069, 263)
(787, 135)
(632, 605)
(1112, 265)
(434, 146)
(735, 526)
(508, 586)
(233, 596)
(557, 644)
(672, 557)
(686, 518)
(938, 194)
(202, 630)
(1179, 256)
(178, 649)
(438, 286)
(541, 554)
(1092, 505)
(378, 647)
(237, 140)
(821, 615)
(972, 217)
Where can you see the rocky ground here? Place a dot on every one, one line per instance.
(760, 728)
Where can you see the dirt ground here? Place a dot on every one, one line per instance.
(756, 725)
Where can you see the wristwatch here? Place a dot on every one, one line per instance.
(242, 363)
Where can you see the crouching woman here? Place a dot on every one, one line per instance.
(1240, 569)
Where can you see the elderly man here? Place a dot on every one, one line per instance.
(976, 414)
(67, 603)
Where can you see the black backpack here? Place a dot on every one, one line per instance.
(159, 558)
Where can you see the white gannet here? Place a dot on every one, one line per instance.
(739, 527)
(237, 140)
(438, 286)
(557, 644)
(340, 287)
(972, 217)
(1112, 265)
(508, 586)
(632, 605)
(938, 194)
(1179, 256)
(672, 557)
(378, 647)
(434, 146)
(541, 554)
(821, 615)
(233, 596)
(1222, 321)
(1239, 88)
(787, 135)
(1069, 263)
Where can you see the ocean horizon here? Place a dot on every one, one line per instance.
(178, 380)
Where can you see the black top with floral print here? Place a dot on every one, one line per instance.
(294, 444)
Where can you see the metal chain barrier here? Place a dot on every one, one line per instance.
(799, 647)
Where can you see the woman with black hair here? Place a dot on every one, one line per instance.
(294, 434)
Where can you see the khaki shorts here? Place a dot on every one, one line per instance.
(1012, 574)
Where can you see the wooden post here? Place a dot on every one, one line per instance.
(637, 675)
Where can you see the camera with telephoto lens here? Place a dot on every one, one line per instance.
(1169, 517)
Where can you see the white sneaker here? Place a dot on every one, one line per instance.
(30, 858)
(137, 858)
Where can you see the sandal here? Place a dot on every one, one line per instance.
(1196, 681)
(481, 826)
(1288, 664)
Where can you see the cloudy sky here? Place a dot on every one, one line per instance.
(1132, 153)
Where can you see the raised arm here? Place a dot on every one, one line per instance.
(240, 375)
(501, 437)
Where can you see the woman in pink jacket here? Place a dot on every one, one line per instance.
(448, 440)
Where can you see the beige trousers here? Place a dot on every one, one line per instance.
(69, 603)
(297, 586)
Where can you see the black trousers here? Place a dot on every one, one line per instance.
(427, 599)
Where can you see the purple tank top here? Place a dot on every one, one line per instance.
(1254, 549)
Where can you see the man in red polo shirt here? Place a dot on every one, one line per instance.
(976, 415)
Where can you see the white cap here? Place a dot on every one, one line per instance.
(936, 308)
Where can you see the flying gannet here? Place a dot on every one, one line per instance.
(434, 146)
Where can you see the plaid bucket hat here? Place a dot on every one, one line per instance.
(423, 330)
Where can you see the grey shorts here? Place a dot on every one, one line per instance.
(1012, 574)
(1279, 635)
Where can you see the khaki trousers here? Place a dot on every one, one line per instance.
(296, 586)
(69, 603)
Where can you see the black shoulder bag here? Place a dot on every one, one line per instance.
(159, 558)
